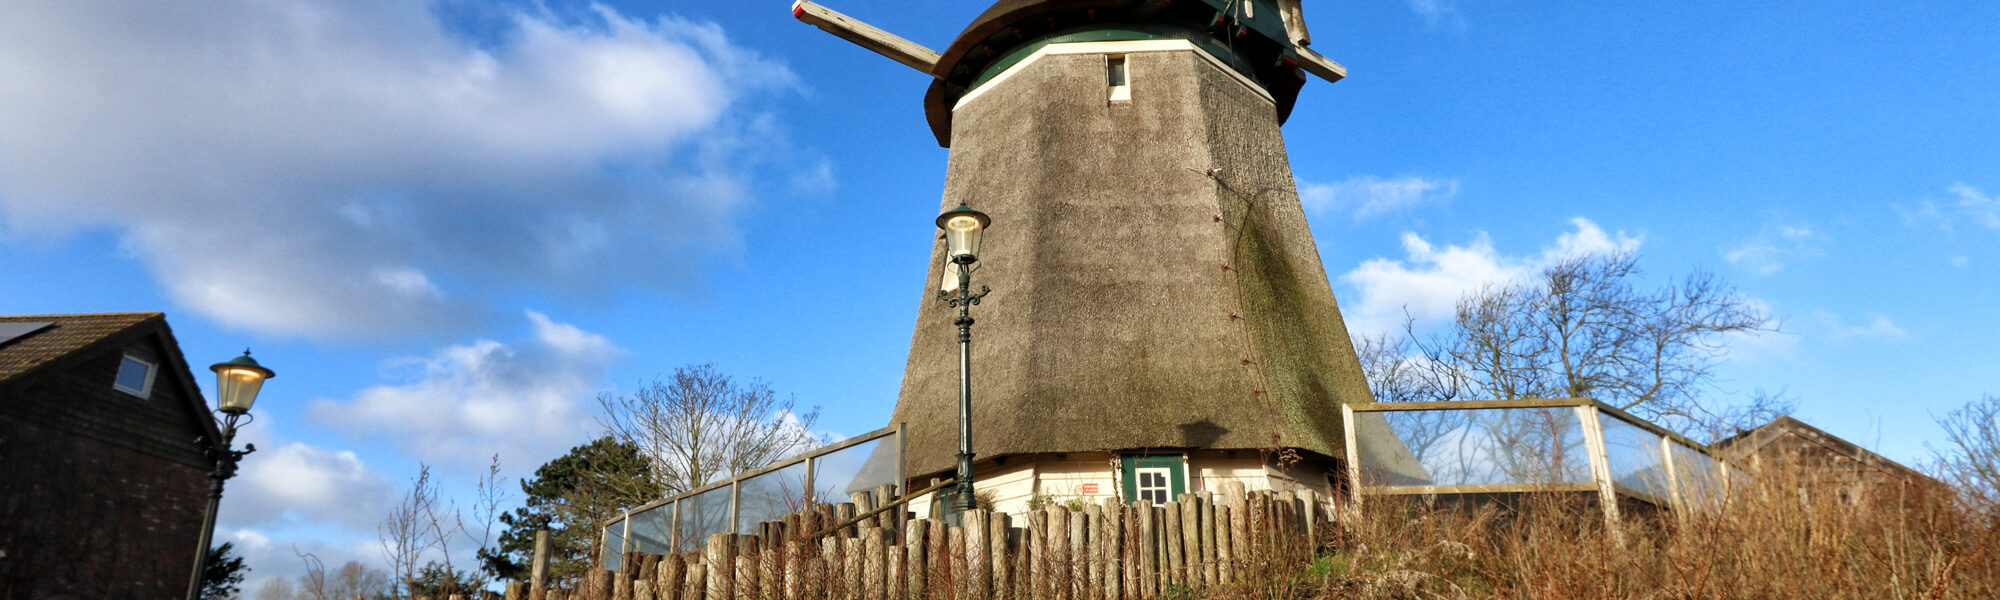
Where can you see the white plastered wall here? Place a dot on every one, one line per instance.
(1064, 477)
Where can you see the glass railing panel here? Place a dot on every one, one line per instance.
(614, 544)
(770, 496)
(702, 515)
(1699, 476)
(652, 530)
(1634, 455)
(857, 468)
(1487, 446)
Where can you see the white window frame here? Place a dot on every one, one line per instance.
(146, 389)
(1166, 486)
(1122, 90)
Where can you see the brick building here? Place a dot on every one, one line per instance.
(102, 482)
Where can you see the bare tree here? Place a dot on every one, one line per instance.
(412, 529)
(355, 580)
(277, 588)
(699, 426)
(1970, 459)
(486, 510)
(312, 584)
(1583, 329)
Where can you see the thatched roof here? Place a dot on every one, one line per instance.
(1138, 302)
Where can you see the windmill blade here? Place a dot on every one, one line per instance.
(865, 35)
(1319, 64)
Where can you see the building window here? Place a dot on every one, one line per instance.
(1154, 485)
(1119, 77)
(1154, 478)
(135, 377)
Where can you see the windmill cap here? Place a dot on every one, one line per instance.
(1260, 41)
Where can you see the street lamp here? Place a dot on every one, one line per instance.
(237, 382)
(963, 227)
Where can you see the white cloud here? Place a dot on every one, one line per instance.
(1968, 205)
(1439, 14)
(281, 557)
(1429, 281)
(301, 484)
(1977, 206)
(354, 168)
(1778, 345)
(526, 401)
(1773, 247)
(1367, 196)
(1826, 324)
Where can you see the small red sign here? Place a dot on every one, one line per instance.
(1090, 488)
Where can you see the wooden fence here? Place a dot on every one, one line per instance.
(1106, 551)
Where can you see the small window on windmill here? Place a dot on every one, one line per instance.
(1119, 78)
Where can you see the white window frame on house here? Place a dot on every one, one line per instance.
(145, 389)
(1165, 488)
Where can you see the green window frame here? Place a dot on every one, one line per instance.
(1175, 465)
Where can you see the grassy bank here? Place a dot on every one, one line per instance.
(1769, 542)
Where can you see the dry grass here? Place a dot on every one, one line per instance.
(1769, 542)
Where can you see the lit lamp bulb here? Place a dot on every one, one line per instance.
(237, 383)
(962, 227)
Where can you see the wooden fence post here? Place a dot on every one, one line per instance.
(852, 568)
(1079, 554)
(1113, 536)
(795, 568)
(694, 583)
(1038, 555)
(978, 571)
(997, 528)
(917, 570)
(1058, 553)
(667, 578)
(1225, 555)
(1093, 554)
(747, 586)
(872, 569)
(719, 560)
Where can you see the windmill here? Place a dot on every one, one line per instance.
(1160, 321)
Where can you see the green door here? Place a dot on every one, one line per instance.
(1155, 477)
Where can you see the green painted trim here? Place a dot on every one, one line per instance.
(1124, 33)
(1128, 476)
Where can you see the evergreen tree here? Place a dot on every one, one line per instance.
(570, 496)
(223, 576)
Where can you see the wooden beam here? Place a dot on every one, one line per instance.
(1319, 64)
(867, 36)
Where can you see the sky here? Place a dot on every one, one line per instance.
(450, 225)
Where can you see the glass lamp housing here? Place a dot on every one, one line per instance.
(237, 383)
(962, 227)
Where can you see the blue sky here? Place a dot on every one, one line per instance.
(449, 225)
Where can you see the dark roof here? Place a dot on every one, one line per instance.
(1747, 443)
(72, 337)
(1014, 23)
(1000, 16)
(69, 335)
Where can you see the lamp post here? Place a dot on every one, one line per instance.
(237, 382)
(963, 227)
